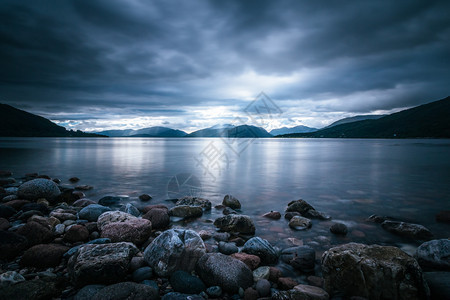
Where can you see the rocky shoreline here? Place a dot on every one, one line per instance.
(57, 244)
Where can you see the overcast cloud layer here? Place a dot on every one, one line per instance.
(94, 65)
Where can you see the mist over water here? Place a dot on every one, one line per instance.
(349, 179)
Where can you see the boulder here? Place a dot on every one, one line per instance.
(302, 258)
(300, 206)
(183, 282)
(43, 256)
(224, 271)
(174, 249)
(231, 202)
(434, 254)
(136, 231)
(252, 261)
(113, 217)
(261, 248)
(409, 230)
(339, 228)
(159, 217)
(186, 211)
(145, 197)
(236, 223)
(11, 244)
(92, 212)
(274, 215)
(35, 233)
(38, 188)
(300, 223)
(195, 201)
(373, 272)
(17, 204)
(101, 263)
(127, 290)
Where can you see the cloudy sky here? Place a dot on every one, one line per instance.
(95, 65)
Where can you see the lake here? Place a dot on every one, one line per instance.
(348, 179)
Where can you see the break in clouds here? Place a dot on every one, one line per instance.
(93, 65)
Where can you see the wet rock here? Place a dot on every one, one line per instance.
(147, 208)
(104, 263)
(88, 291)
(145, 197)
(434, 254)
(142, 274)
(231, 202)
(111, 201)
(228, 248)
(289, 215)
(7, 181)
(224, 271)
(300, 223)
(137, 262)
(113, 217)
(300, 206)
(286, 283)
(186, 211)
(38, 188)
(252, 261)
(10, 278)
(5, 173)
(250, 294)
(28, 214)
(11, 244)
(275, 273)
(443, 216)
(379, 219)
(310, 292)
(205, 234)
(181, 296)
(184, 282)
(275, 215)
(62, 216)
(214, 291)
(43, 256)
(315, 281)
(6, 211)
(17, 204)
(174, 249)
(439, 283)
(127, 290)
(59, 229)
(159, 217)
(35, 233)
(9, 198)
(314, 214)
(132, 210)
(83, 202)
(195, 201)
(261, 273)
(84, 187)
(228, 211)
(76, 233)
(68, 196)
(35, 206)
(375, 272)
(261, 248)
(409, 230)
(74, 179)
(4, 224)
(136, 231)
(43, 288)
(236, 223)
(92, 212)
(339, 228)
(302, 258)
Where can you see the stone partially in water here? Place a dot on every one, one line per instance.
(373, 272)
(235, 223)
(300, 223)
(92, 212)
(261, 248)
(339, 228)
(231, 202)
(195, 201)
(38, 188)
(301, 258)
(174, 249)
(275, 215)
(409, 230)
(159, 217)
(186, 211)
(434, 254)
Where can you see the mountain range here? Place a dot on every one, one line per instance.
(430, 120)
(296, 129)
(227, 130)
(156, 131)
(16, 122)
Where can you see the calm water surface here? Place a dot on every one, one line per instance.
(348, 179)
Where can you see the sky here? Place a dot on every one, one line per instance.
(98, 65)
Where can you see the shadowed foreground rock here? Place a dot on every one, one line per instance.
(104, 263)
(236, 223)
(175, 249)
(409, 230)
(38, 188)
(373, 272)
(224, 271)
(127, 290)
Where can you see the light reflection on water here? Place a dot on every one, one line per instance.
(348, 179)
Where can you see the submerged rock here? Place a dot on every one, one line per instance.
(235, 223)
(300, 223)
(217, 269)
(174, 249)
(275, 215)
(373, 272)
(186, 211)
(195, 201)
(301, 258)
(409, 230)
(339, 228)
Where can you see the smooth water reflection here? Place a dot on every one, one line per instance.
(348, 179)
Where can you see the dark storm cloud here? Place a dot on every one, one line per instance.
(165, 58)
